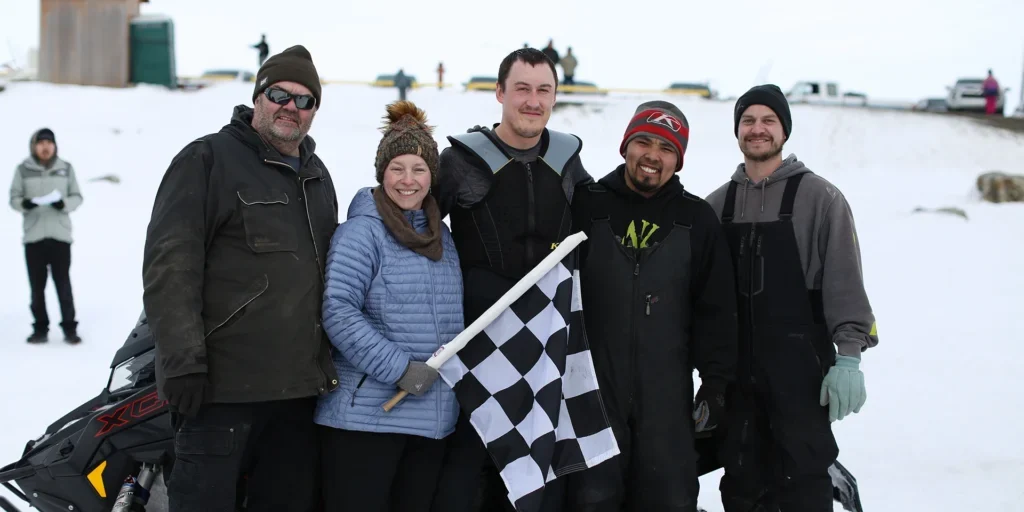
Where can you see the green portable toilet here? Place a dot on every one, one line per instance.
(152, 51)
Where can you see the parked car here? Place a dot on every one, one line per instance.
(691, 89)
(931, 105)
(582, 87)
(966, 96)
(481, 83)
(824, 93)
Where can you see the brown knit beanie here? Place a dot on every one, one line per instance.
(406, 133)
(295, 64)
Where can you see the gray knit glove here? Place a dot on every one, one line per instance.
(418, 378)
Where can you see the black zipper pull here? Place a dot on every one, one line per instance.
(758, 253)
(743, 245)
(648, 304)
(636, 271)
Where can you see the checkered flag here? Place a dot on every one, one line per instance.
(527, 383)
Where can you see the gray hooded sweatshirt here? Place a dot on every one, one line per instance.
(33, 179)
(827, 241)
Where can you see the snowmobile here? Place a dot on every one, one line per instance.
(107, 454)
(111, 453)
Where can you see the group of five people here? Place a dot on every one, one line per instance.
(280, 332)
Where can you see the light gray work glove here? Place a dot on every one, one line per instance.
(418, 378)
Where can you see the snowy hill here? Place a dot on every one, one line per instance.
(941, 428)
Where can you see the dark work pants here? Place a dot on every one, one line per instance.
(42, 258)
(375, 472)
(263, 454)
(469, 481)
(764, 474)
(655, 468)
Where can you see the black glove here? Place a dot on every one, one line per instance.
(418, 378)
(185, 393)
(27, 204)
(708, 408)
(476, 128)
(59, 204)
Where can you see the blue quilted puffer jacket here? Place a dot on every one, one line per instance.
(385, 305)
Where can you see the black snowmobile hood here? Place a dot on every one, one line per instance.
(241, 128)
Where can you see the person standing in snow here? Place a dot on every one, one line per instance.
(657, 282)
(395, 245)
(990, 90)
(568, 64)
(508, 191)
(263, 48)
(233, 280)
(402, 83)
(550, 52)
(801, 300)
(47, 230)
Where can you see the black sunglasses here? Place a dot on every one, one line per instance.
(302, 101)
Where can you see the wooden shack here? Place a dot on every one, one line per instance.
(86, 42)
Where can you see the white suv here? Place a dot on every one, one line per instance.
(966, 94)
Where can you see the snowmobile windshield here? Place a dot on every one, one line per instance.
(135, 373)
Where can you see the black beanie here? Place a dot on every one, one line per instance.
(292, 65)
(770, 96)
(44, 134)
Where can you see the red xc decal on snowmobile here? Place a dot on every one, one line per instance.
(139, 408)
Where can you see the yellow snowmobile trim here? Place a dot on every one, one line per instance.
(96, 479)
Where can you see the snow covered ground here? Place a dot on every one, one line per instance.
(941, 430)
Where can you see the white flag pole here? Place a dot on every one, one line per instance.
(449, 349)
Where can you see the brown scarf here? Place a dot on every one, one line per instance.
(427, 244)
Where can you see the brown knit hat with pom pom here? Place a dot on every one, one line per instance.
(406, 133)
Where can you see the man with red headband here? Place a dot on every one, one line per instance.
(659, 301)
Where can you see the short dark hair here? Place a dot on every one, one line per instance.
(531, 56)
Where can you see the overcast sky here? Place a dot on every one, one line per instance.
(898, 49)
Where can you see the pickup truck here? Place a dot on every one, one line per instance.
(824, 93)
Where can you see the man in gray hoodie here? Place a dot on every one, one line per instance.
(804, 318)
(45, 191)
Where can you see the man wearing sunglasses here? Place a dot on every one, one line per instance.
(233, 280)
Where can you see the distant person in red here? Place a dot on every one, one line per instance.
(990, 90)
(440, 75)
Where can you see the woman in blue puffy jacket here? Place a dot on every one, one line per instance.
(393, 296)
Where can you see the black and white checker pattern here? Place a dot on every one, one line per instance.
(528, 384)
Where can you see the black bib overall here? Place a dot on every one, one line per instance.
(637, 310)
(779, 444)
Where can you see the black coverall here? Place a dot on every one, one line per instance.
(641, 308)
(779, 444)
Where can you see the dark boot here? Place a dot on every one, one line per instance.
(71, 333)
(37, 337)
